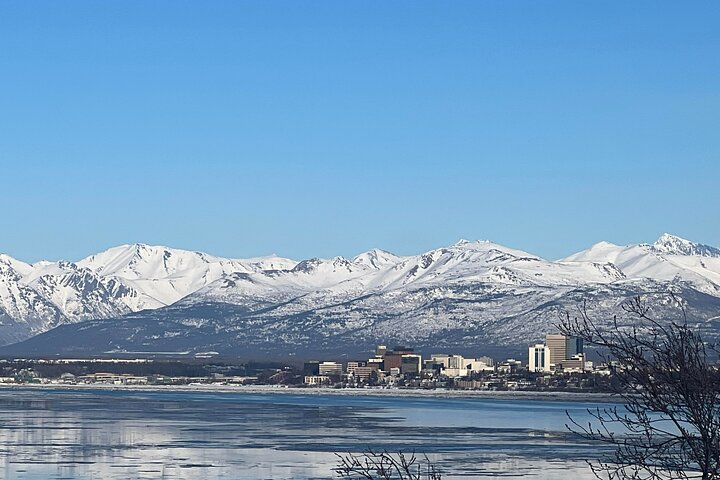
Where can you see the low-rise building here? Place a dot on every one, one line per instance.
(317, 380)
(353, 364)
(376, 363)
(576, 364)
(311, 368)
(411, 364)
(394, 358)
(482, 364)
(360, 369)
(457, 366)
(509, 366)
(363, 373)
(330, 369)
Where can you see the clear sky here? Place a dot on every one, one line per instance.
(318, 128)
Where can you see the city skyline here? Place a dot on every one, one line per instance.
(302, 240)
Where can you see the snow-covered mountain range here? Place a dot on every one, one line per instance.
(147, 298)
(129, 278)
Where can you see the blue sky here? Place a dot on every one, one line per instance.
(326, 128)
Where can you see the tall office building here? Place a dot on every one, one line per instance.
(558, 347)
(539, 358)
(562, 347)
(573, 347)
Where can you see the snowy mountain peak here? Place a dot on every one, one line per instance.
(674, 245)
(670, 258)
(333, 265)
(473, 244)
(605, 244)
(470, 250)
(8, 273)
(21, 267)
(140, 261)
(599, 252)
(377, 259)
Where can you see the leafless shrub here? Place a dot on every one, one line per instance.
(668, 381)
(372, 465)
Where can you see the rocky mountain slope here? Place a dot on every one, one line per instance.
(469, 295)
(125, 279)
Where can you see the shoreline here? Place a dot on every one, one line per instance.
(350, 392)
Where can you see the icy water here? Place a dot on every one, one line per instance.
(81, 434)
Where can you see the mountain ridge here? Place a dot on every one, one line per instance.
(447, 292)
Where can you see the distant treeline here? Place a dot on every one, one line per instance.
(164, 368)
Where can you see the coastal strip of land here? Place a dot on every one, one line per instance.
(588, 397)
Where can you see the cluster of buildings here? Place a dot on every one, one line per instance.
(398, 362)
(28, 376)
(559, 353)
(554, 364)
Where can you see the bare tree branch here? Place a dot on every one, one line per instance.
(669, 425)
(372, 465)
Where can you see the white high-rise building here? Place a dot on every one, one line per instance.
(539, 358)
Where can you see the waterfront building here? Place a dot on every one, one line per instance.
(482, 364)
(376, 364)
(433, 367)
(353, 364)
(410, 364)
(486, 360)
(539, 358)
(573, 346)
(392, 360)
(458, 366)
(362, 372)
(361, 369)
(317, 380)
(576, 364)
(403, 350)
(330, 369)
(563, 347)
(456, 362)
(440, 358)
(557, 344)
(311, 368)
(509, 366)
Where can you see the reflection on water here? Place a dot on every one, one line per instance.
(74, 435)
